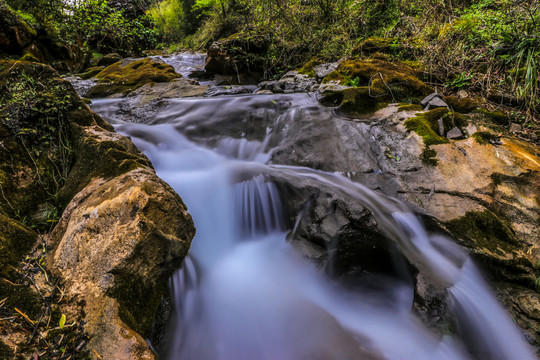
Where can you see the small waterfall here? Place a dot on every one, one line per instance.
(237, 299)
(259, 208)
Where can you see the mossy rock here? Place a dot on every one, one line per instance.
(410, 107)
(496, 117)
(91, 72)
(121, 78)
(6, 352)
(484, 137)
(239, 53)
(464, 106)
(16, 239)
(389, 81)
(360, 101)
(307, 68)
(426, 125)
(391, 46)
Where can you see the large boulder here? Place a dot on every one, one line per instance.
(371, 85)
(122, 231)
(237, 54)
(128, 75)
(15, 33)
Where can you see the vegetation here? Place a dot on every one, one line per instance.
(490, 47)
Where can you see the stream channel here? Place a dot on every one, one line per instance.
(246, 292)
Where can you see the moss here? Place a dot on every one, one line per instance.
(396, 47)
(391, 81)
(426, 125)
(307, 68)
(465, 105)
(497, 117)
(484, 137)
(484, 229)
(21, 297)
(360, 101)
(428, 157)
(29, 57)
(410, 107)
(122, 79)
(91, 72)
(16, 240)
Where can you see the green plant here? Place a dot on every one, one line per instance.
(460, 81)
(352, 82)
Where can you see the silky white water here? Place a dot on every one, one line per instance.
(246, 293)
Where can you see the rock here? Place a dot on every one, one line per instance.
(435, 103)
(116, 264)
(223, 55)
(462, 105)
(179, 88)
(440, 122)
(108, 59)
(378, 83)
(91, 72)
(322, 70)
(118, 279)
(454, 134)
(462, 94)
(430, 97)
(123, 77)
(291, 82)
(515, 127)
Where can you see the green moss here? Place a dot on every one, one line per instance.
(426, 125)
(428, 157)
(21, 297)
(465, 105)
(29, 57)
(16, 240)
(122, 79)
(360, 100)
(484, 137)
(396, 47)
(409, 107)
(496, 117)
(484, 229)
(391, 81)
(91, 72)
(307, 68)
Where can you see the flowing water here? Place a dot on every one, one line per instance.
(246, 293)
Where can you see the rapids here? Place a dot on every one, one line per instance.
(247, 293)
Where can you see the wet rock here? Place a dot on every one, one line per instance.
(228, 90)
(454, 134)
(179, 88)
(108, 59)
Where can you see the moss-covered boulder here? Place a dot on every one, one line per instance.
(373, 84)
(239, 53)
(123, 77)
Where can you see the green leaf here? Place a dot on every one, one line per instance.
(62, 321)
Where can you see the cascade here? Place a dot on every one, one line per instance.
(246, 293)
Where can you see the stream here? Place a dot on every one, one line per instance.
(246, 292)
